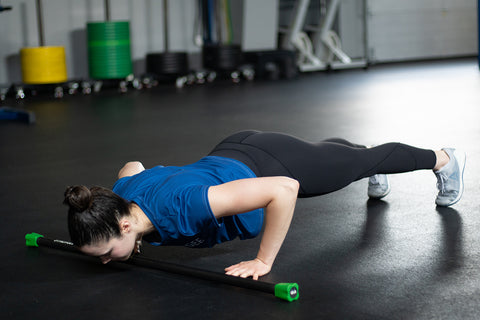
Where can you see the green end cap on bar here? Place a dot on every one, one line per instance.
(31, 239)
(287, 291)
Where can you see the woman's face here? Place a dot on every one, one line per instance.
(116, 249)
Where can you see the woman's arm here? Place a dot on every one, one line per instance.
(277, 195)
(130, 168)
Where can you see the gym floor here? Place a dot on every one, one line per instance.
(400, 258)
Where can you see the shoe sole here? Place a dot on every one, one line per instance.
(381, 196)
(461, 160)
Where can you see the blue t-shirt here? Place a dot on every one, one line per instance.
(175, 199)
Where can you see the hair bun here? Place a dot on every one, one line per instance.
(79, 198)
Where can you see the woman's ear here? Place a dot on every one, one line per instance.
(125, 226)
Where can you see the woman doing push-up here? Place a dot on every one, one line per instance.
(251, 180)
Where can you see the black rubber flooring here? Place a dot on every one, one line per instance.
(401, 258)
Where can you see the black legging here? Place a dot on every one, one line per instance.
(320, 167)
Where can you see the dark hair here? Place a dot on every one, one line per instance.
(94, 214)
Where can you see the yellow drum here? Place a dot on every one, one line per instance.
(43, 65)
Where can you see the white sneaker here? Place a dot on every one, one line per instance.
(450, 178)
(378, 186)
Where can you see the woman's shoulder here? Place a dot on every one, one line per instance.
(131, 168)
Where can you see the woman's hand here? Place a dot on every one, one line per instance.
(277, 195)
(253, 268)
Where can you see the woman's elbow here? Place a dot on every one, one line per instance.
(294, 185)
(286, 192)
(291, 185)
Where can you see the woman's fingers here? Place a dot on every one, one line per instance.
(253, 268)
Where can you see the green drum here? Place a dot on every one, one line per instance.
(109, 54)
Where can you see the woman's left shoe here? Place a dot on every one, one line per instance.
(450, 178)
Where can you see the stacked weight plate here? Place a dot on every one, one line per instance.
(167, 63)
(222, 57)
(109, 54)
(43, 65)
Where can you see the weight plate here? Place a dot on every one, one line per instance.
(168, 63)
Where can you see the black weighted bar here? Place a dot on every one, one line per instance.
(285, 291)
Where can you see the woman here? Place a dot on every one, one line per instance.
(251, 179)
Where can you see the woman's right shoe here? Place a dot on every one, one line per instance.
(378, 186)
